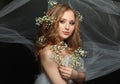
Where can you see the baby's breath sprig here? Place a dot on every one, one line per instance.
(80, 52)
(52, 3)
(80, 17)
(41, 40)
(48, 19)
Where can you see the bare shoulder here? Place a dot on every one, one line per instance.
(45, 53)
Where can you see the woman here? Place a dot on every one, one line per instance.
(58, 47)
(100, 30)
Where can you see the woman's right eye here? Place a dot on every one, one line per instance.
(61, 21)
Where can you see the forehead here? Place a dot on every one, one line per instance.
(68, 15)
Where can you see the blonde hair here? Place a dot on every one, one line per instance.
(51, 33)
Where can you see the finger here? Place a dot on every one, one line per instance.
(64, 71)
(64, 75)
(64, 68)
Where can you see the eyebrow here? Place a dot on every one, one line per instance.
(65, 19)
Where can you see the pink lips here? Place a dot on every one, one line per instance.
(66, 33)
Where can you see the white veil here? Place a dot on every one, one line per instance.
(17, 21)
(100, 30)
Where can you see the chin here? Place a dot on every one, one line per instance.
(64, 37)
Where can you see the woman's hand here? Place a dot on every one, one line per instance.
(67, 72)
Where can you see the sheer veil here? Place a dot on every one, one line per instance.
(100, 30)
(17, 21)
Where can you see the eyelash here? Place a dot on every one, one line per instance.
(71, 23)
(61, 21)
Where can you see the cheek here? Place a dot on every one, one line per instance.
(72, 30)
(60, 28)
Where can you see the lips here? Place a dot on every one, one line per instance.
(65, 33)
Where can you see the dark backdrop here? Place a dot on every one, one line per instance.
(17, 64)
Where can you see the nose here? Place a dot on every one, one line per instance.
(67, 26)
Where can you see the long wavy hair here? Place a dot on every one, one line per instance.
(51, 32)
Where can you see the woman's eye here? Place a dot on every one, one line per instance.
(61, 21)
(72, 23)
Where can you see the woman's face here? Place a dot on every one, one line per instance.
(66, 25)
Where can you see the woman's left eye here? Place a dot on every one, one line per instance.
(72, 23)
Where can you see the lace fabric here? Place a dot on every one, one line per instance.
(73, 62)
